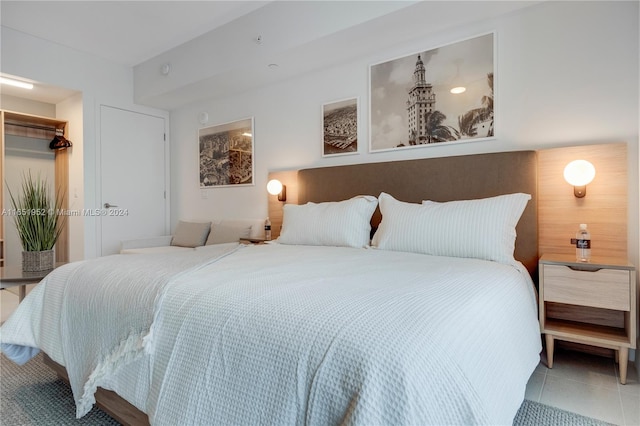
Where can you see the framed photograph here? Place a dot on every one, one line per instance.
(442, 95)
(340, 127)
(226, 154)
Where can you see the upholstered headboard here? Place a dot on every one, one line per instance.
(438, 179)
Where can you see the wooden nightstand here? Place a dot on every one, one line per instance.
(591, 303)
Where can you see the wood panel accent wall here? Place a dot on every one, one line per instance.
(288, 178)
(603, 209)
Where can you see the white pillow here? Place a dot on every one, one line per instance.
(483, 229)
(340, 223)
(190, 234)
(224, 233)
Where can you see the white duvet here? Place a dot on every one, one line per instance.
(290, 335)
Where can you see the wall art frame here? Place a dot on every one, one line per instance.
(413, 102)
(340, 127)
(226, 154)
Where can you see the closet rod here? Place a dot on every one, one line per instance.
(32, 126)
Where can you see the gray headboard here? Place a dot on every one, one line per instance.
(438, 179)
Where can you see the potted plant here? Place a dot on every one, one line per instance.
(36, 215)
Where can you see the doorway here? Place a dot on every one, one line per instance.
(132, 173)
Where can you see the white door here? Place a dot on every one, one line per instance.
(132, 163)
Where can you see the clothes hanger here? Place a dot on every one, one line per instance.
(59, 141)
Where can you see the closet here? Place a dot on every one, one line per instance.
(44, 128)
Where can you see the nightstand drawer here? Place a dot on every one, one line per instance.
(604, 288)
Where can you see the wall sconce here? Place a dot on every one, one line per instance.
(275, 187)
(579, 173)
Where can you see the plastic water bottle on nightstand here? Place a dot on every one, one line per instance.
(583, 244)
(267, 230)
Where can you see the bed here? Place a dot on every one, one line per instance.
(437, 324)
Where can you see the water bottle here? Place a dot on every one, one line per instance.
(267, 230)
(583, 244)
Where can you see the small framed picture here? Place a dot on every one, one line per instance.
(340, 127)
(226, 154)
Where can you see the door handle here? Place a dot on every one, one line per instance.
(108, 206)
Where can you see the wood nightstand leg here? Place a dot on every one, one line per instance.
(550, 342)
(623, 359)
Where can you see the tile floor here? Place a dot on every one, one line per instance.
(581, 383)
(588, 385)
(7, 304)
(9, 301)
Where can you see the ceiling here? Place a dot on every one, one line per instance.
(124, 32)
(108, 29)
(301, 36)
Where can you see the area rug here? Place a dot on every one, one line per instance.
(536, 414)
(33, 395)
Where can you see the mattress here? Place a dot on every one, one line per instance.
(294, 334)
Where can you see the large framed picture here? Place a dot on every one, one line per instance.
(442, 95)
(226, 154)
(340, 127)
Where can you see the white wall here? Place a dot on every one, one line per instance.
(567, 74)
(100, 82)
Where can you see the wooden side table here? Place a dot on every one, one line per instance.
(592, 303)
(12, 276)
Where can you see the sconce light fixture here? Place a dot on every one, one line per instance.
(579, 173)
(275, 187)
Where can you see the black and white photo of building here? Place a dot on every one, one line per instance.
(226, 154)
(440, 95)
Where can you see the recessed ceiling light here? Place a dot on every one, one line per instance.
(16, 83)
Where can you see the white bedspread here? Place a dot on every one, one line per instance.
(290, 335)
(96, 315)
